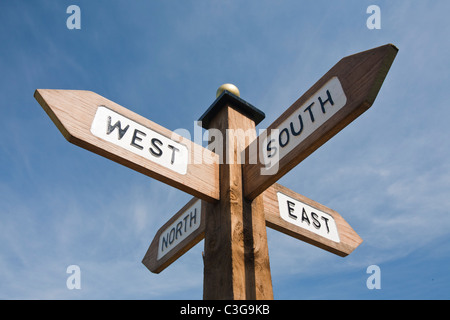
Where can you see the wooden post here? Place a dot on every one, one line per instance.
(236, 257)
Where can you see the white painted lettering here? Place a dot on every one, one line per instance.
(132, 136)
(303, 122)
(307, 217)
(180, 229)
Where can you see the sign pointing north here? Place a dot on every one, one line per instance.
(95, 123)
(180, 233)
(339, 97)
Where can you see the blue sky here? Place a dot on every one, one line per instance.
(387, 173)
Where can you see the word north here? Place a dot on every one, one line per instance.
(132, 136)
(180, 229)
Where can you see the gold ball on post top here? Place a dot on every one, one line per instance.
(229, 87)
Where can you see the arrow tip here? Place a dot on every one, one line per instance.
(393, 46)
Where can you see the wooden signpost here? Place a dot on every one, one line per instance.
(234, 187)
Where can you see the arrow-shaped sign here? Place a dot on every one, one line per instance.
(307, 220)
(340, 96)
(97, 124)
(285, 210)
(183, 231)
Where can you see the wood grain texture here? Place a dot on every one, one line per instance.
(150, 259)
(361, 76)
(73, 112)
(236, 260)
(349, 239)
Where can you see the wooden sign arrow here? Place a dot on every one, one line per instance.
(95, 123)
(340, 96)
(307, 220)
(285, 210)
(183, 231)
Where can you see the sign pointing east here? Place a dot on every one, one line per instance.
(180, 233)
(302, 218)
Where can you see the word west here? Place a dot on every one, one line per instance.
(374, 21)
(374, 280)
(74, 280)
(180, 229)
(304, 121)
(74, 21)
(132, 136)
(307, 217)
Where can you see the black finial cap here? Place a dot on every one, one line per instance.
(228, 98)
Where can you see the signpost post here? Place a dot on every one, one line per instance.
(236, 258)
(235, 191)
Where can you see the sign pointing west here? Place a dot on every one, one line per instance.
(340, 96)
(95, 123)
(180, 233)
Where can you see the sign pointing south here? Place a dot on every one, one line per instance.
(339, 97)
